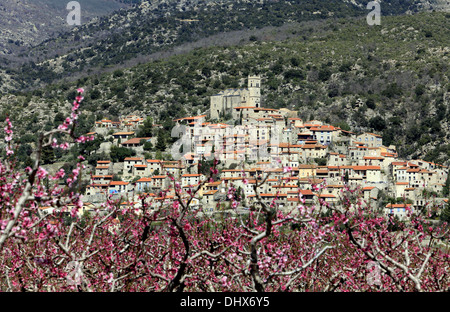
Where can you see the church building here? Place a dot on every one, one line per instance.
(225, 101)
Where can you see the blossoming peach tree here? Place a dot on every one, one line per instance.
(168, 246)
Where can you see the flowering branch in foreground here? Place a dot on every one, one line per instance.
(157, 245)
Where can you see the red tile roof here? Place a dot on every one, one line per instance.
(118, 183)
(144, 180)
(397, 205)
(362, 168)
(124, 133)
(135, 141)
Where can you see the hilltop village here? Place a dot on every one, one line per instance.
(298, 160)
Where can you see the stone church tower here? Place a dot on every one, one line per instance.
(254, 91)
(224, 102)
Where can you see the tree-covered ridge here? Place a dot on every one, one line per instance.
(153, 27)
(392, 79)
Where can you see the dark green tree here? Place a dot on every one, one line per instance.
(48, 155)
(148, 146)
(118, 154)
(446, 189)
(445, 213)
(146, 130)
(161, 142)
(377, 123)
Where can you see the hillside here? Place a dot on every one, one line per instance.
(392, 79)
(27, 23)
(128, 37)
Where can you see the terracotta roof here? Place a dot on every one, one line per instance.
(118, 183)
(245, 107)
(305, 192)
(398, 163)
(190, 118)
(135, 141)
(323, 128)
(373, 134)
(397, 205)
(213, 183)
(366, 168)
(144, 180)
(153, 160)
(124, 133)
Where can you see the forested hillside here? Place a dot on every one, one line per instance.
(129, 36)
(27, 23)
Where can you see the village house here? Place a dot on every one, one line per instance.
(101, 179)
(108, 124)
(143, 184)
(136, 142)
(324, 134)
(398, 210)
(129, 162)
(368, 173)
(208, 200)
(140, 170)
(116, 187)
(336, 159)
(103, 169)
(124, 135)
(159, 181)
(370, 139)
(191, 179)
(399, 189)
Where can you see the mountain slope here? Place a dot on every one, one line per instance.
(29, 22)
(161, 25)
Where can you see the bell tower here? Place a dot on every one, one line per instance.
(254, 90)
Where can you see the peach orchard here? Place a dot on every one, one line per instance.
(170, 247)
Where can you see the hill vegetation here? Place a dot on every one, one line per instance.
(131, 35)
(391, 79)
